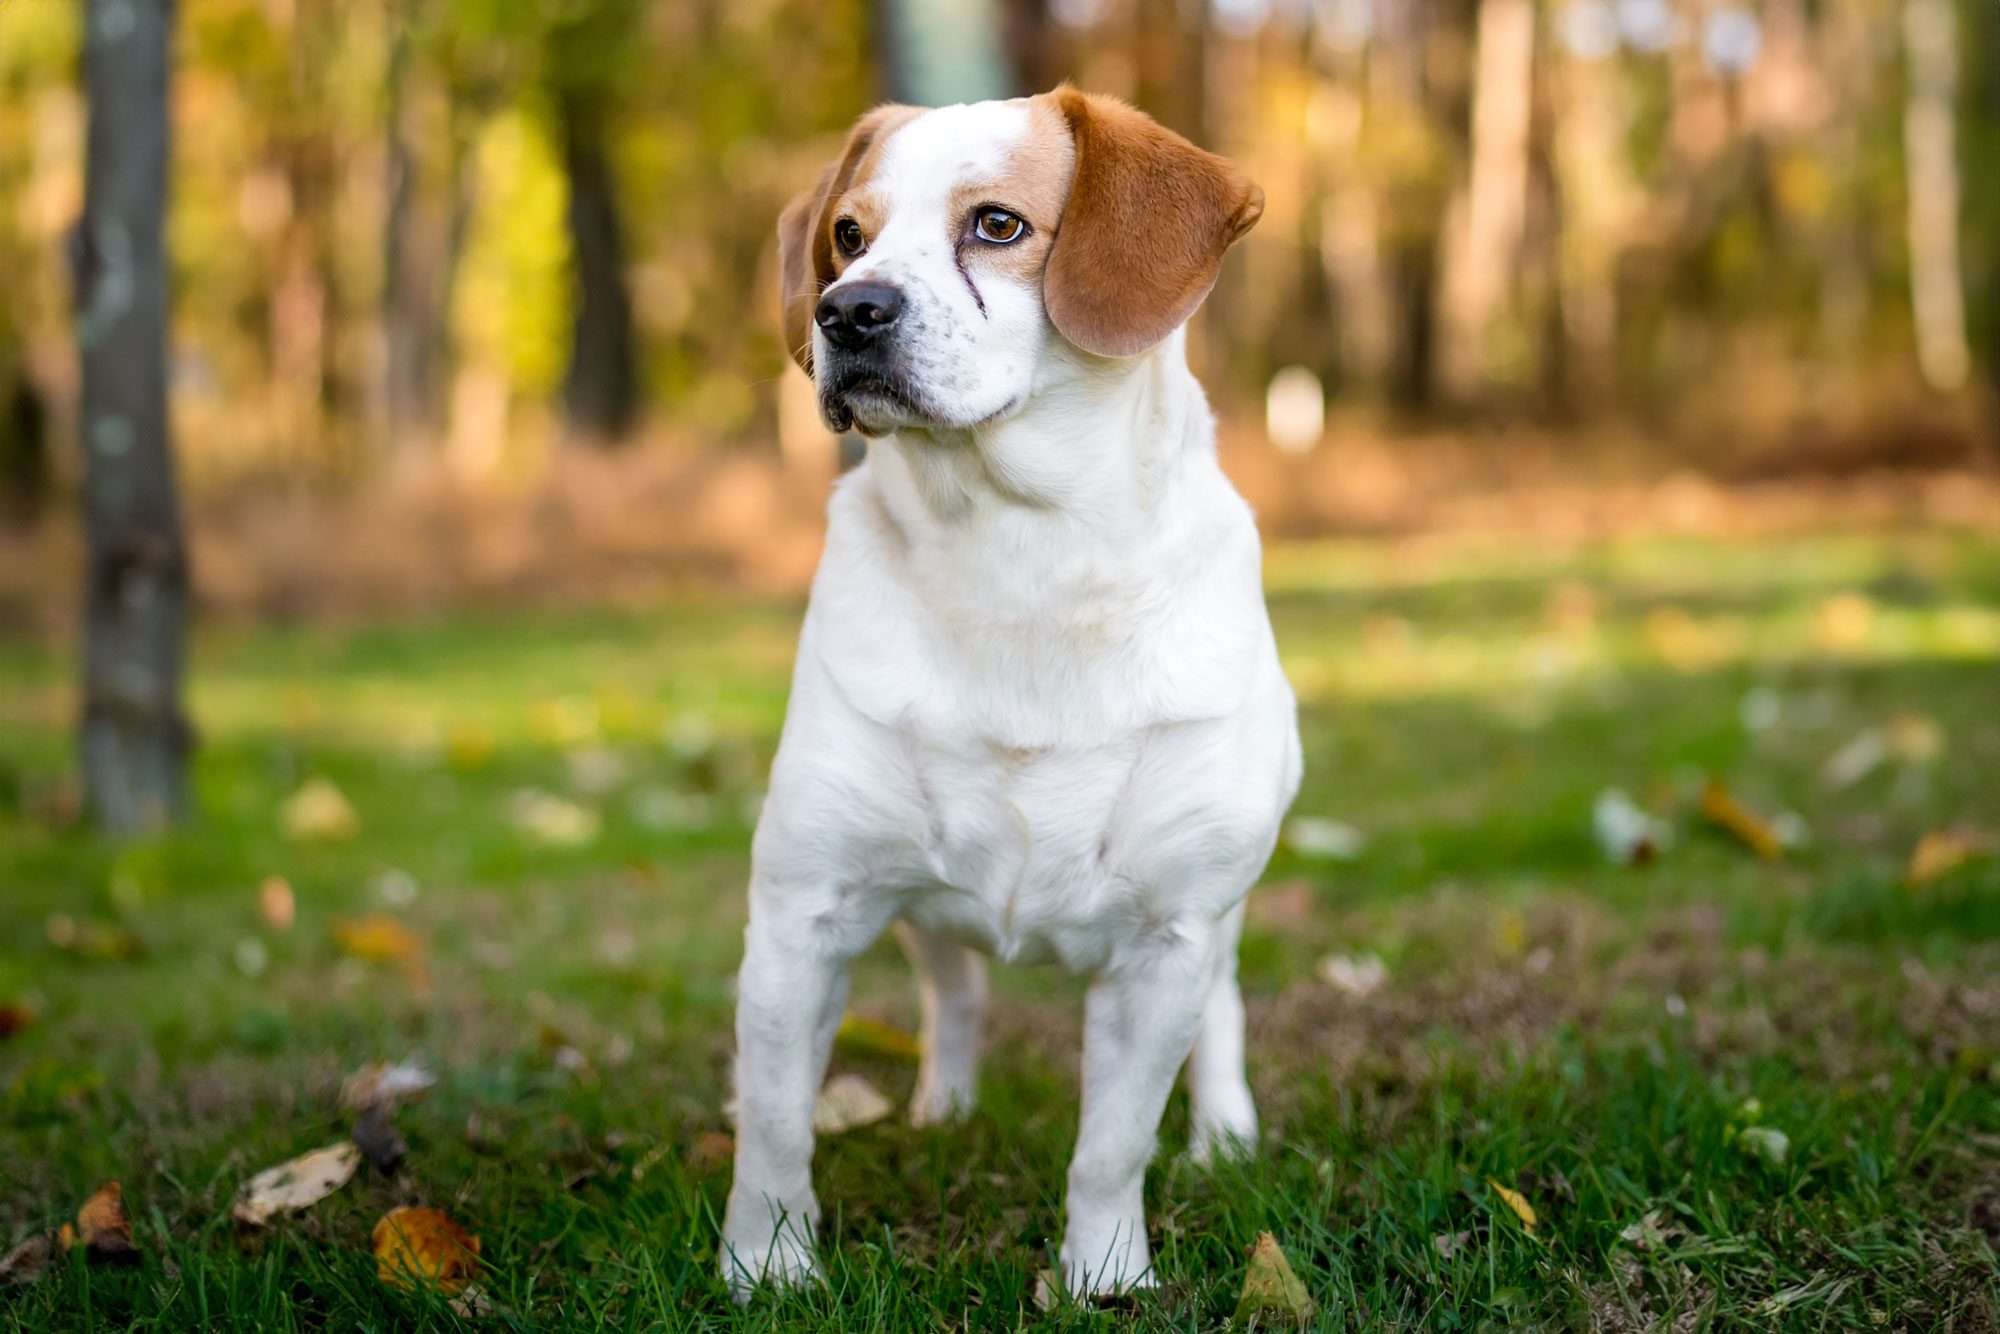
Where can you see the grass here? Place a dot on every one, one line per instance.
(1598, 1037)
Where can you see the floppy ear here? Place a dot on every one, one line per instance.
(1148, 220)
(805, 239)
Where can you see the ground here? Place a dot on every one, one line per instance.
(1736, 1091)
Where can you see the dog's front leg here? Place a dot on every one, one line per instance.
(790, 994)
(1140, 1021)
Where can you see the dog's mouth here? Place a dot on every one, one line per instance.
(868, 399)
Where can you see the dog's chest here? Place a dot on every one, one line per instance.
(1023, 848)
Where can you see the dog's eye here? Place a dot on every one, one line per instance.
(847, 235)
(998, 226)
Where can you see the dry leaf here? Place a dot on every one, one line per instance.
(383, 1083)
(289, 1187)
(15, 1016)
(1628, 835)
(276, 903)
(1448, 1244)
(1331, 840)
(1270, 1288)
(1724, 810)
(1285, 906)
(1517, 1202)
(415, 1246)
(1856, 760)
(712, 1148)
(1914, 738)
(1765, 1142)
(102, 1228)
(1843, 620)
(1943, 851)
(474, 1304)
(1356, 976)
(552, 820)
(24, 1264)
(319, 812)
(847, 1102)
(872, 1037)
(1048, 1290)
(1650, 1232)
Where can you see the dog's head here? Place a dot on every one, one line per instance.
(946, 253)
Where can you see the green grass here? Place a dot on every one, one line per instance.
(1595, 1036)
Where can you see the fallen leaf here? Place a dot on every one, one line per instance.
(1650, 1232)
(276, 903)
(319, 812)
(1914, 738)
(552, 820)
(15, 1017)
(1356, 976)
(420, 1247)
(102, 1228)
(848, 1102)
(1516, 1201)
(289, 1187)
(1856, 760)
(383, 1083)
(1270, 1288)
(1627, 834)
(1842, 621)
(1448, 1244)
(378, 938)
(24, 1264)
(1048, 1290)
(1330, 840)
(474, 1304)
(1771, 1145)
(871, 1037)
(1942, 851)
(1725, 811)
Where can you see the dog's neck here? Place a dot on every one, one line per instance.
(1096, 451)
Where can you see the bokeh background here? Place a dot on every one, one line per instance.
(445, 255)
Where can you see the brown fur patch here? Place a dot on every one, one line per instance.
(1148, 220)
(1035, 186)
(807, 258)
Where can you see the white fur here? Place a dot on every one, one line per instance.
(1037, 713)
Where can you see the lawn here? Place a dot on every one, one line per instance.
(1736, 1091)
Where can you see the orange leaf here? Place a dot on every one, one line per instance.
(102, 1228)
(1725, 811)
(378, 937)
(275, 903)
(423, 1247)
(1941, 852)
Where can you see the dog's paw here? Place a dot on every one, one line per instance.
(939, 1103)
(782, 1261)
(1107, 1268)
(1213, 1144)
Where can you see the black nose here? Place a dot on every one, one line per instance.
(854, 315)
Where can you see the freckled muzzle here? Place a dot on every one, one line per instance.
(864, 380)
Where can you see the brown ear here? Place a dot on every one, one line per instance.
(1149, 218)
(805, 231)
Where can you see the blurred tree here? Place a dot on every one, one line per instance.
(1937, 280)
(588, 63)
(937, 52)
(135, 735)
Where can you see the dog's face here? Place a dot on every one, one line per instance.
(945, 255)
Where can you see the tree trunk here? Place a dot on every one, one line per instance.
(135, 736)
(1937, 285)
(411, 315)
(602, 388)
(936, 52)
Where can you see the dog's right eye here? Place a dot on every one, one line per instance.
(847, 235)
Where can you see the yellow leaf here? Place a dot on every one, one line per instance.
(1270, 1288)
(378, 937)
(319, 812)
(846, 1102)
(1516, 1201)
(1943, 851)
(418, 1247)
(1725, 811)
(872, 1037)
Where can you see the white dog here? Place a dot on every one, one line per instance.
(1038, 711)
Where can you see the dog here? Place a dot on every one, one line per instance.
(1037, 711)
